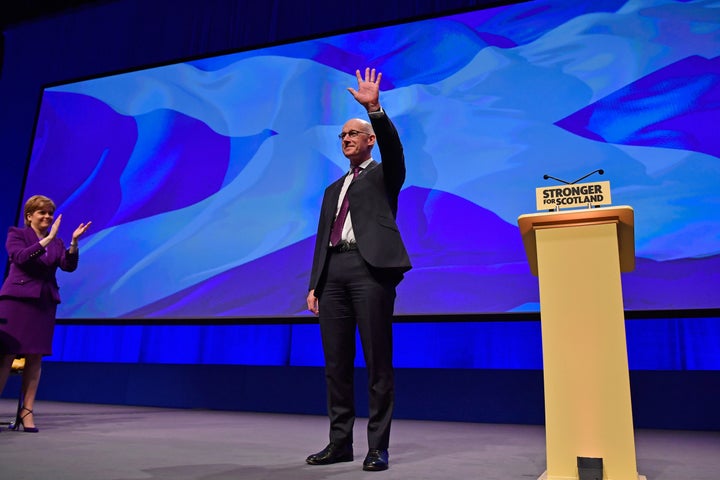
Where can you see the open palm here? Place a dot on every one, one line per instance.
(368, 90)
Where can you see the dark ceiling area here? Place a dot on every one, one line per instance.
(14, 12)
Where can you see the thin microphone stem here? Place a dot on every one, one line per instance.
(599, 170)
(546, 176)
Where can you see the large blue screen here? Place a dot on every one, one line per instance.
(203, 179)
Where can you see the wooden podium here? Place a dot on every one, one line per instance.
(578, 256)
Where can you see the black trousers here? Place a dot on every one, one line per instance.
(354, 296)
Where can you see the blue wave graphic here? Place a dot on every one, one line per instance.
(205, 177)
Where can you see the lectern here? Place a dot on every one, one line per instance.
(578, 256)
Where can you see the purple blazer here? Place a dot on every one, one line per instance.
(33, 267)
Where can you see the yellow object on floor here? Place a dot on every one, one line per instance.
(18, 364)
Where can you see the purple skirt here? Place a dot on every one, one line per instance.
(29, 327)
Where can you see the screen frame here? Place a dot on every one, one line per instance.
(454, 317)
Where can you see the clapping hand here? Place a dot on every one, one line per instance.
(80, 230)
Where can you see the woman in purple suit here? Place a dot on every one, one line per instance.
(29, 296)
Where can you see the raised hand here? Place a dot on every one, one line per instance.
(81, 229)
(368, 91)
(55, 227)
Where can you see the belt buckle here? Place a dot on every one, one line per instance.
(344, 246)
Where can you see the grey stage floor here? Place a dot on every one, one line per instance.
(107, 442)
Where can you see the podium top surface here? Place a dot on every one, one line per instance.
(622, 215)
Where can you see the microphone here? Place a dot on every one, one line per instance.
(598, 171)
(546, 176)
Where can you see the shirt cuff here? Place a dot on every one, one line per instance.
(378, 114)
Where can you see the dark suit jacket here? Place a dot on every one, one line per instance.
(373, 199)
(33, 267)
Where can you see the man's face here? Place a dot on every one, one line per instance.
(357, 141)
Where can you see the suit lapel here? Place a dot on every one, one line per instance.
(335, 191)
(336, 188)
(367, 169)
(30, 236)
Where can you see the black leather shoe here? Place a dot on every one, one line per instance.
(376, 460)
(333, 453)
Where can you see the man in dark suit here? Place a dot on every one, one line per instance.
(359, 260)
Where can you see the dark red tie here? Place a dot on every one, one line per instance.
(337, 227)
